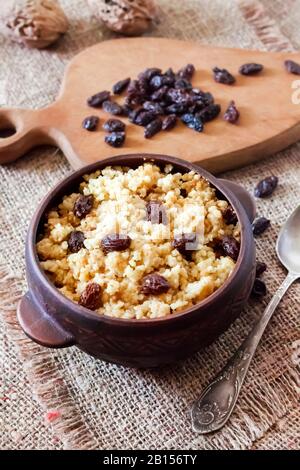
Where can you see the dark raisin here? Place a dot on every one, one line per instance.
(266, 186)
(259, 288)
(96, 101)
(185, 244)
(187, 118)
(143, 87)
(133, 114)
(186, 72)
(133, 87)
(90, 123)
(134, 95)
(197, 107)
(193, 122)
(232, 114)
(91, 296)
(114, 125)
(170, 73)
(168, 80)
(261, 267)
(230, 216)
(260, 225)
(163, 104)
(210, 112)
(223, 76)
(153, 128)
(208, 98)
(115, 242)
(230, 247)
(115, 139)
(126, 110)
(202, 98)
(169, 122)
(159, 94)
(112, 108)
(75, 241)
(120, 86)
(153, 107)
(219, 195)
(155, 213)
(182, 83)
(149, 73)
(83, 206)
(179, 96)
(156, 82)
(154, 284)
(183, 192)
(176, 109)
(292, 67)
(197, 91)
(250, 69)
(143, 118)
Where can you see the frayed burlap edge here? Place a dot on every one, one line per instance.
(44, 376)
(265, 27)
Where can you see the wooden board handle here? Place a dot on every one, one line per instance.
(30, 128)
(25, 131)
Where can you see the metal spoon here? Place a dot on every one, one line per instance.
(215, 405)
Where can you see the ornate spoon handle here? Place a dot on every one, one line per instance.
(215, 405)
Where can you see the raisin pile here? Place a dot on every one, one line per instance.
(156, 100)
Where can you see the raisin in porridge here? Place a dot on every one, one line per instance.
(140, 243)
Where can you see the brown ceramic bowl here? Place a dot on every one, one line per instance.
(54, 321)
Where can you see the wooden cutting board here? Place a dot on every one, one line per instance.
(269, 120)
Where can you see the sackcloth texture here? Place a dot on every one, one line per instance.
(103, 406)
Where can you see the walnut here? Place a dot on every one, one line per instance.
(129, 17)
(36, 23)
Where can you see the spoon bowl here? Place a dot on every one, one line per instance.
(288, 243)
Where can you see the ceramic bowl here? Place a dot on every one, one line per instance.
(52, 320)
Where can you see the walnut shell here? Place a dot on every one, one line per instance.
(36, 23)
(129, 17)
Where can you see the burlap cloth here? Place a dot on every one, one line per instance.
(104, 406)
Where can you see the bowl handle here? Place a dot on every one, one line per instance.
(40, 326)
(243, 196)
